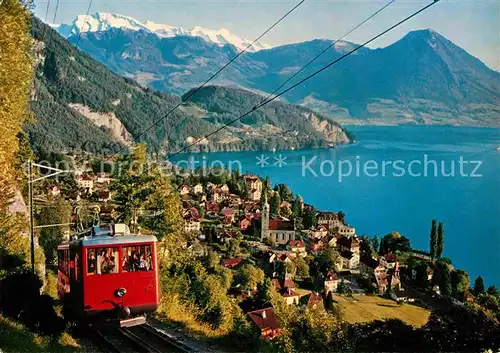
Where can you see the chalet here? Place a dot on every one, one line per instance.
(184, 189)
(317, 245)
(254, 186)
(331, 282)
(348, 261)
(233, 201)
(211, 208)
(298, 247)
(86, 182)
(389, 260)
(331, 240)
(387, 280)
(266, 321)
(245, 222)
(312, 301)
(318, 232)
(348, 244)
(232, 263)
(229, 214)
(104, 196)
(218, 195)
(290, 296)
(329, 220)
(103, 178)
(346, 230)
(367, 265)
(198, 189)
(193, 212)
(191, 224)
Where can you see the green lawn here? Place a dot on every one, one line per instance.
(364, 308)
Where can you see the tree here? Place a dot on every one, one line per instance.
(291, 268)
(375, 243)
(301, 266)
(234, 247)
(250, 276)
(329, 303)
(274, 205)
(478, 286)
(209, 235)
(16, 77)
(459, 283)
(433, 240)
(297, 207)
(212, 259)
(51, 237)
(493, 290)
(284, 191)
(309, 218)
(445, 283)
(440, 240)
(341, 217)
(342, 288)
(488, 301)
(393, 242)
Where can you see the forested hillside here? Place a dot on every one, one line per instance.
(80, 105)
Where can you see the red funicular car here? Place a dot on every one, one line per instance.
(109, 276)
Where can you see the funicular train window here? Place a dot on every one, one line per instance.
(102, 261)
(137, 258)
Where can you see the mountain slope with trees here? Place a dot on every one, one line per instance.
(79, 105)
(422, 78)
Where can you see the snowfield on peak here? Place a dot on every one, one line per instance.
(103, 21)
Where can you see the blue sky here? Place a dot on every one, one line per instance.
(474, 25)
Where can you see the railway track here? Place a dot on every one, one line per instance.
(137, 339)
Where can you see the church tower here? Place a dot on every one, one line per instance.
(264, 220)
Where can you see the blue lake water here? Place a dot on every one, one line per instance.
(405, 197)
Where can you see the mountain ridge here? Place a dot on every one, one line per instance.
(103, 21)
(423, 78)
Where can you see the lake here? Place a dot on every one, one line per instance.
(399, 178)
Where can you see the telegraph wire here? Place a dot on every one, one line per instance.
(55, 12)
(263, 103)
(47, 11)
(192, 92)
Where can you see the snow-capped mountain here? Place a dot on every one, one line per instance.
(102, 21)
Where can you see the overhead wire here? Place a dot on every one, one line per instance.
(276, 96)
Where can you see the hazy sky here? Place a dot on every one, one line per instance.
(474, 25)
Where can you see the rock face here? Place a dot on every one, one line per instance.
(107, 120)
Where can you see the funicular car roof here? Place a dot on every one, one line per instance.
(109, 240)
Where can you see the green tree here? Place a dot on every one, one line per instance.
(433, 240)
(250, 276)
(291, 268)
(297, 207)
(393, 242)
(329, 303)
(440, 240)
(488, 301)
(51, 237)
(234, 247)
(274, 205)
(459, 283)
(301, 266)
(375, 243)
(445, 285)
(341, 217)
(478, 286)
(493, 290)
(309, 218)
(212, 259)
(285, 192)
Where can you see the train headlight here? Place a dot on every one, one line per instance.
(121, 292)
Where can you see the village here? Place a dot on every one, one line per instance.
(312, 258)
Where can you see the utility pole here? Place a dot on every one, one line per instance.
(30, 208)
(30, 203)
